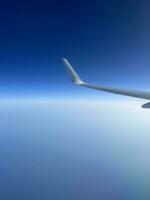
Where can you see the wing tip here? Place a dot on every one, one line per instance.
(72, 73)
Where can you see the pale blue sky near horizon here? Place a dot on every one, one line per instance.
(74, 150)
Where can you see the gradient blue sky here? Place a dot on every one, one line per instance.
(108, 41)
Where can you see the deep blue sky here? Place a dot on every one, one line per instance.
(108, 41)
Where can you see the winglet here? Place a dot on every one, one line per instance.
(73, 75)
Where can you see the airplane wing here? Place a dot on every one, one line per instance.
(127, 92)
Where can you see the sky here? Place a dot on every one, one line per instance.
(107, 41)
(67, 148)
(74, 150)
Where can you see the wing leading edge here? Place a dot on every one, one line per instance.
(127, 92)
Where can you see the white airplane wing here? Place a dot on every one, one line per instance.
(127, 92)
